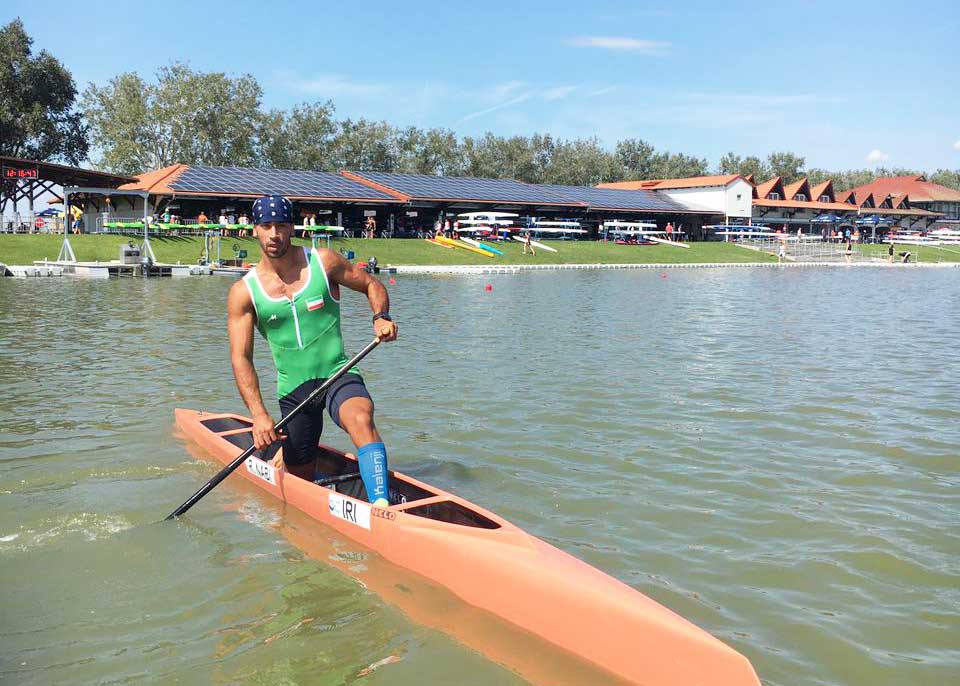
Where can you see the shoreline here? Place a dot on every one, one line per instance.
(469, 269)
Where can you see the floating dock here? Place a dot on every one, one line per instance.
(104, 270)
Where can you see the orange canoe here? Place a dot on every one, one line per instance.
(493, 565)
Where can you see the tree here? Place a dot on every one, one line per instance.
(435, 151)
(730, 163)
(946, 177)
(365, 146)
(301, 139)
(37, 95)
(186, 116)
(786, 165)
(636, 158)
(678, 166)
(583, 162)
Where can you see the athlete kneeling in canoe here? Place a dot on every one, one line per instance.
(292, 296)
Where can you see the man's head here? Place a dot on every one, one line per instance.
(273, 223)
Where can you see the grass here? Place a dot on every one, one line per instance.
(24, 249)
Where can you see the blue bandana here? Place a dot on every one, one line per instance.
(272, 209)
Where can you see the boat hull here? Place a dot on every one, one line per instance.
(497, 567)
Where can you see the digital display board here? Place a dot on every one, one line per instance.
(16, 173)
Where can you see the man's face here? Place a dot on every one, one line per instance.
(274, 238)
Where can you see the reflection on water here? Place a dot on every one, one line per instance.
(772, 454)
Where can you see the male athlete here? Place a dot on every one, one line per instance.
(292, 297)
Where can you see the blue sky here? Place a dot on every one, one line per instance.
(847, 85)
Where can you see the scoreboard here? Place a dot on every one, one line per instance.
(17, 173)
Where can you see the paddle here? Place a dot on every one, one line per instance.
(226, 471)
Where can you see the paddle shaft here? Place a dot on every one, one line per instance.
(226, 471)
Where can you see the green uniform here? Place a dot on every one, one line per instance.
(303, 332)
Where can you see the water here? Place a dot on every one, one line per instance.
(770, 453)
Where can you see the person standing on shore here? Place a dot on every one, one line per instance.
(527, 243)
(292, 296)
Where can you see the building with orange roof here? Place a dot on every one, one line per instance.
(727, 196)
(917, 193)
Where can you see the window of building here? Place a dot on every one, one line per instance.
(801, 196)
(739, 195)
(824, 198)
(773, 196)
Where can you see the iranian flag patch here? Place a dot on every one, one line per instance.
(314, 304)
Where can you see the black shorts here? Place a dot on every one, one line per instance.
(303, 431)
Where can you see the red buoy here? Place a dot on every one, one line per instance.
(488, 287)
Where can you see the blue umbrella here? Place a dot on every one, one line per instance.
(828, 218)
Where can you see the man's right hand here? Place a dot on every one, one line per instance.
(263, 433)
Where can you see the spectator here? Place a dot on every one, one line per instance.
(202, 218)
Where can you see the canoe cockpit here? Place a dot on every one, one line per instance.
(338, 472)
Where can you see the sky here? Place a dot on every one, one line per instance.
(846, 85)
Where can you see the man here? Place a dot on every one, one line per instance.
(292, 297)
(527, 244)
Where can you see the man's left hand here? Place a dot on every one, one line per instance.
(385, 330)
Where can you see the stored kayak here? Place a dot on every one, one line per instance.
(535, 244)
(463, 246)
(490, 564)
(667, 241)
(482, 246)
(431, 240)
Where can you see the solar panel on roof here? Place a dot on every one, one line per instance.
(616, 199)
(290, 182)
(463, 188)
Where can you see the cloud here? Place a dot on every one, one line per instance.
(330, 85)
(876, 156)
(956, 146)
(649, 47)
(601, 91)
(558, 92)
(487, 110)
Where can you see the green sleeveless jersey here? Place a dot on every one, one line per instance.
(304, 331)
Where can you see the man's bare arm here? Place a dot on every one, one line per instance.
(345, 273)
(240, 324)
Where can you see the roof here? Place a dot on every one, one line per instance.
(846, 197)
(821, 188)
(296, 184)
(509, 192)
(917, 187)
(765, 188)
(804, 205)
(617, 199)
(790, 190)
(64, 175)
(156, 181)
(661, 184)
(836, 207)
(458, 188)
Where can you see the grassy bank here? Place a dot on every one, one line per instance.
(20, 249)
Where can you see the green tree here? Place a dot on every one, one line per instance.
(786, 165)
(678, 166)
(37, 95)
(186, 116)
(946, 177)
(435, 152)
(752, 164)
(583, 162)
(365, 145)
(730, 163)
(300, 139)
(636, 158)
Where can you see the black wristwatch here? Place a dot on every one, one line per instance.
(382, 315)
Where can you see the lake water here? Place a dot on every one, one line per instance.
(771, 453)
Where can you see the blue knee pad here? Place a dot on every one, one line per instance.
(373, 470)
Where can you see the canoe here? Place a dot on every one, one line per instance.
(482, 246)
(431, 240)
(463, 246)
(535, 244)
(665, 241)
(490, 564)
